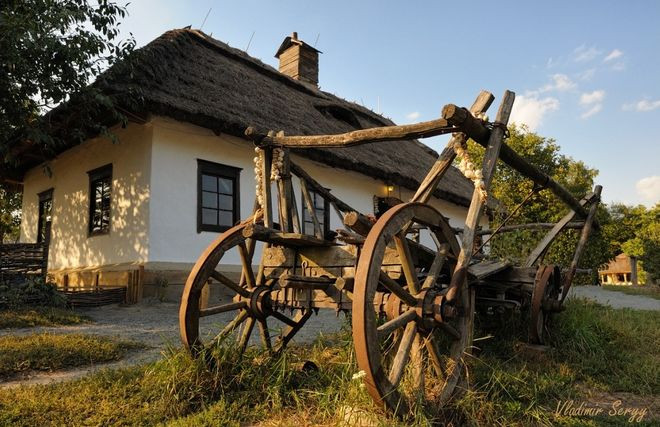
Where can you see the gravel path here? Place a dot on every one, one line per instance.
(156, 325)
(614, 299)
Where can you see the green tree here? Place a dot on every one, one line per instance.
(10, 213)
(50, 53)
(510, 188)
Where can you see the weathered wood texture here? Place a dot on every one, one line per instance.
(474, 212)
(530, 226)
(364, 136)
(430, 182)
(476, 130)
(20, 259)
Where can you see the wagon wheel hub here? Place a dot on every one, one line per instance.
(260, 303)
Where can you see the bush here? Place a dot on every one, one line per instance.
(33, 291)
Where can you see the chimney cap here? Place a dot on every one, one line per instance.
(290, 41)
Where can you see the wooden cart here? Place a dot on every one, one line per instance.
(410, 280)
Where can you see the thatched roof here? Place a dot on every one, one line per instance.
(187, 75)
(620, 264)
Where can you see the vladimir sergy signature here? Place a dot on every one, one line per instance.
(572, 408)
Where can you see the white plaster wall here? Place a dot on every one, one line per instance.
(128, 240)
(173, 214)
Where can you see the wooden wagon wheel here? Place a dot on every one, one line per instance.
(250, 305)
(545, 294)
(417, 354)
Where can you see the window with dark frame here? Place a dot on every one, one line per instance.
(322, 209)
(45, 215)
(218, 203)
(100, 192)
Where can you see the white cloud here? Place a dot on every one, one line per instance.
(559, 83)
(584, 54)
(413, 116)
(619, 66)
(587, 74)
(593, 110)
(649, 188)
(530, 110)
(588, 98)
(616, 53)
(643, 105)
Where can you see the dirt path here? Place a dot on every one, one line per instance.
(614, 299)
(154, 324)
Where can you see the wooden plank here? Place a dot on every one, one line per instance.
(430, 182)
(582, 243)
(357, 137)
(539, 251)
(476, 206)
(476, 130)
(309, 205)
(258, 232)
(487, 268)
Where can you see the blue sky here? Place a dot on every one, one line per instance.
(586, 73)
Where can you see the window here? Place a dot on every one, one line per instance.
(218, 204)
(100, 190)
(45, 215)
(322, 210)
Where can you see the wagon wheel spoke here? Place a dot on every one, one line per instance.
(265, 335)
(246, 261)
(432, 347)
(402, 354)
(231, 326)
(222, 308)
(230, 284)
(282, 318)
(245, 335)
(398, 322)
(436, 265)
(287, 334)
(407, 263)
(450, 330)
(397, 290)
(417, 361)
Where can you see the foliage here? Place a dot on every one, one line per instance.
(51, 50)
(47, 352)
(635, 231)
(27, 317)
(594, 346)
(510, 188)
(33, 291)
(10, 214)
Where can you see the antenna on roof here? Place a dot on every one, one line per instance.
(204, 21)
(317, 40)
(250, 42)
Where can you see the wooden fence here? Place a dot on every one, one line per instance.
(18, 260)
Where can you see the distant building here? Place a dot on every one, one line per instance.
(622, 270)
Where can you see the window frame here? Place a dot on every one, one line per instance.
(205, 167)
(44, 196)
(96, 175)
(326, 212)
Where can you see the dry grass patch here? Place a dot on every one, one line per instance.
(27, 317)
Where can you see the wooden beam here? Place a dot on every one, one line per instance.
(476, 130)
(530, 226)
(474, 212)
(363, 136)
(430, 182)
(309, 205)
(258, 232)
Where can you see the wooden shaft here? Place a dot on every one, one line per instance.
(357, 137)
(300, 172)
(309, 205)
(358, 223)
(582, 243)
(530, 226)
(474, 212)
(267, 159)
(476, 130)
(430, 182)
(285, 194)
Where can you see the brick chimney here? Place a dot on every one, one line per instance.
(299, 60)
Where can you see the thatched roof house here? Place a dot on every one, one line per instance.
(622, 270)
(197, 95)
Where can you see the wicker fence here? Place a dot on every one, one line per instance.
(20, 260)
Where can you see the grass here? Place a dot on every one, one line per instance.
(49, 352)
(27, 317)
(652, 291)
(595, 348)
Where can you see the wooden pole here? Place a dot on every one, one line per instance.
(459, 277)
(363, 136)
(530, 226)
(476, 130)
